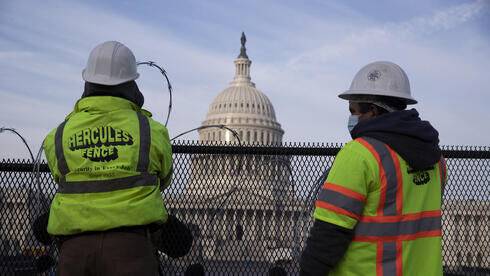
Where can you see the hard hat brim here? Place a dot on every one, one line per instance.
(106, 80)
(352, 95)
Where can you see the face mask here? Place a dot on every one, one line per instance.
(353, 120)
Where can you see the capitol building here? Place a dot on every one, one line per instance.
(239, 203)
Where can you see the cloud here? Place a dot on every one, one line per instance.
(444, 19)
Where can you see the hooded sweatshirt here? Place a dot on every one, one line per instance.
(416, 141)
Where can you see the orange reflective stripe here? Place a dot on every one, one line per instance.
(381, 174)
(399, 258)
(408, 237)
(379, 258)
(388, 204)
(335, 209)
(345, 191)
(399, 182)
(407, 217)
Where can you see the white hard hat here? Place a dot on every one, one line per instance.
(110, 63)
(380, 78)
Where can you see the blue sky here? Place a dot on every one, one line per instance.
(304, 53)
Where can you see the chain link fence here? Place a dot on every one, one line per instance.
(249, 208)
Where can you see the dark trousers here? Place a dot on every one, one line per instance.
(108, 253)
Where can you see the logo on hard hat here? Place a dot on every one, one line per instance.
(374, 75)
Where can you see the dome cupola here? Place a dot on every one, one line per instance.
(242, 107)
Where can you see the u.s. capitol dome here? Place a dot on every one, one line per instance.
(243, 108)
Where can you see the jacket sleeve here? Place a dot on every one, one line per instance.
(342, 197)
(50, 153)
(167, 163)
(161, 153)
(339, 206)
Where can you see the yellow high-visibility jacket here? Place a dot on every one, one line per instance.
(109, 159)
(395, 212)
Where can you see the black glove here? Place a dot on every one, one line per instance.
(40, 230)
(173, 238)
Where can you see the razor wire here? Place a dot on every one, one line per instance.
(169, 85)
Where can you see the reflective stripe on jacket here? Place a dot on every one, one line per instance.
(394, 211)
(109, 159)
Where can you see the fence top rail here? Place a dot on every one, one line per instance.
(452, 152)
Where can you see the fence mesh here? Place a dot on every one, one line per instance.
(249, 208)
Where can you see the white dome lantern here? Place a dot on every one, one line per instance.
(244, 108)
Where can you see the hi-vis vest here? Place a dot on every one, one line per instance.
(395, 212)
(108, 158)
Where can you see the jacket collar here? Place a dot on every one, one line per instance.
(105, 104)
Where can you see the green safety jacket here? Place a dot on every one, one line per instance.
(110, 160)
(395, 212)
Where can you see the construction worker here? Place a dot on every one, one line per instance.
(111, 160)
(379, 211)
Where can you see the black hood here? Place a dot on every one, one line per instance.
(415, 140)
(128, 90)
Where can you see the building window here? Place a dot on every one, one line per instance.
(479, 260)
(239, 232)
(214, 136)
(477, 227)
(457, 218)
(255, 136)
(469, 259)
(268, 137)
(262, 137)
(467, 221)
